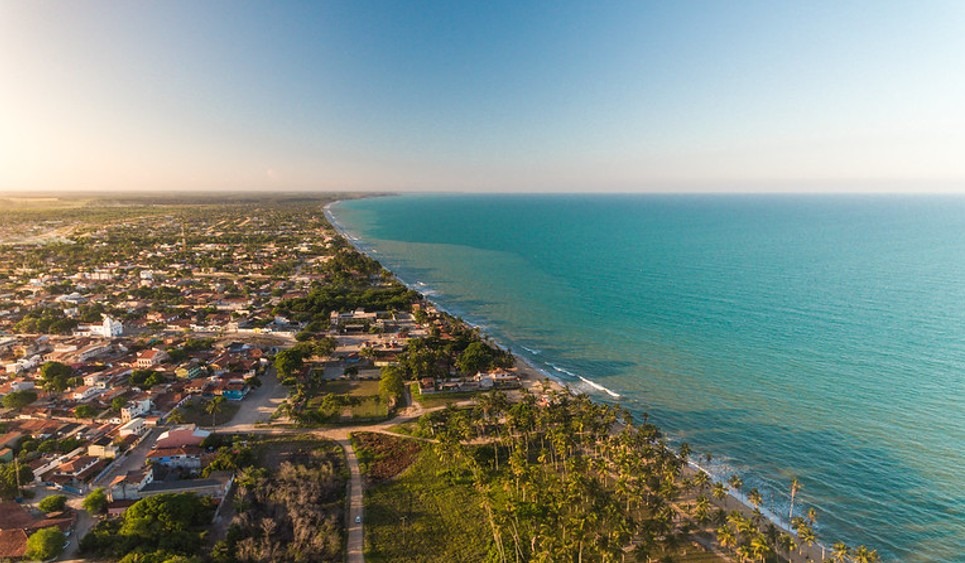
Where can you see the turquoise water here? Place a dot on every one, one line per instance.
(817, 337)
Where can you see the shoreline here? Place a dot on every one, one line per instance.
(532, 376)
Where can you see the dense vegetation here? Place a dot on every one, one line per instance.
(292, 513)
(160, 526)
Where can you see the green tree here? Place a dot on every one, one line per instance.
(85, 411)
(117, 403)
(18, 399)
(475, 358)
(54, 503)
(288, 362)
(45, 543)
(96, 501)
(214, 407)
(55, 376)
(9, 473)
(391, 385)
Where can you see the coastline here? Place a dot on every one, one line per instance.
(532, 376)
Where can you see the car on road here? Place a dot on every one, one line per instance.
(358, 519)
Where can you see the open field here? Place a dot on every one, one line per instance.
(421, 516)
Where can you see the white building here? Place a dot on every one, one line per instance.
(135, 408)
(108, 328)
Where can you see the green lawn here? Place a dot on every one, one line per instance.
(420, 516)
(438, 399)
(363, 397)
(193, 412)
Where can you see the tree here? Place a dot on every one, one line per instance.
(391, 385)
(839, 552)
(475, 358)
(117, 403)
(214, 407)
(862, 554)
(96, 501)
(55, 503)
(18, 399)
(85, 411)
(795, 487)
(55, 376)
(288, 362)
(9, 473)
(45, 543)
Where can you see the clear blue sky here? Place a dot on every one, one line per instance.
(499, 96)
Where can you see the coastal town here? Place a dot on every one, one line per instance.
(161, 358)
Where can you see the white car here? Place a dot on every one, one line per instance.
(358, 519)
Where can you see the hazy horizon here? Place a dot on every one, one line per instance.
(376, 96)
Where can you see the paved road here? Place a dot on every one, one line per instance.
(355, 495)
(133, 459)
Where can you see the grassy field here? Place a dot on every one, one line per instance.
(438, 399)
(193, 412)
(419, 516)
(363, 395)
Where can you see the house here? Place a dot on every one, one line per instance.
(103, 447)
(134, 427)
(189, 370)
(136, 407)
(17, 523)
(96, 379)
(127, 487)
(150, 358)
(233, 389)
(185, 457)
(85, 392)
(184, 435)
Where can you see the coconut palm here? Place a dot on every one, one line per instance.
(795, 487)
(862, 554)
(755, 498)
(735, 482)
(839, 552)
(719, 491)
(726, 537)
(214, 407)
(759, 547)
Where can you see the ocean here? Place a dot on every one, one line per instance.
(817, 337)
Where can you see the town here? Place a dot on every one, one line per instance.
(131, 335)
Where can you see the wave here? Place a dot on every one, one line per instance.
(532, 351)
(589, 382)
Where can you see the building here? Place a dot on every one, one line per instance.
(135, 408)
(134, 427)
(184, 435)
(108, 328)
(184, 457)
(150, 358)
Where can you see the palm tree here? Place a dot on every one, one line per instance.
(214, 407)
(862, 554)
(736, 482)
(176, 417)
(839, 552)
(759, 547)
(719, 491)
(755, 498)
(726, 537)
(795, 487)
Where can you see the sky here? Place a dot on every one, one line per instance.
(527, 96)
